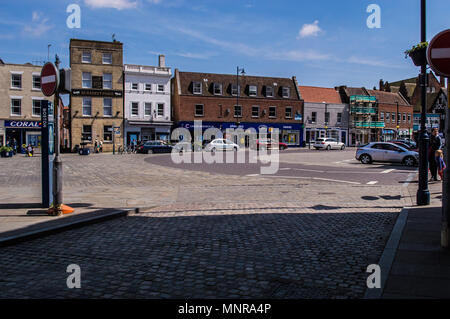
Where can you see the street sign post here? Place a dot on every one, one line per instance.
(49, 79)
(438, 56)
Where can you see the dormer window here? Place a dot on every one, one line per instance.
(217, 87)
(286, 92)
(235, 89)
(269, 91)
(197, 88)
(253, 90)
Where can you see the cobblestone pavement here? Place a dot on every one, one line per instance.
(200, 235)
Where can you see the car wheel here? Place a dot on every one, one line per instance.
(343, 147)
(328, 147)
(409, 161)
(213, 150)
(365, 159)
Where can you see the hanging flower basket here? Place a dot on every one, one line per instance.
(418, 54)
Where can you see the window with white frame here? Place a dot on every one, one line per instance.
(237, 111)
(107, 106)
(148, 86)
(255, 111)
(16, 81)
(313, 117)
(107, 80)
(404, 117)
(253, 90)
(382, 116)
(36, 109)
(16, 106)
(134, 109)
(134, 86)
(393, 118)
(235, 89)
(199, 110)
(148, 109)
(36, 82)
(86, 78)
(86, 57)
(288, 113)
(107, 58)
(409, 118)
(217, 88)
(160, 108)
(196, 88)
(269, 91)
(160, 87)
(87, 106)
(388, 117)
(286, 91)
(272, 111)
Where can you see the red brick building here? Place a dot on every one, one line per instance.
(218, 101)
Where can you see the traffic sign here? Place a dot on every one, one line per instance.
(49, 79)
(438, 54)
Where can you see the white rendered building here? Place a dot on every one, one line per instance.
(147, 102)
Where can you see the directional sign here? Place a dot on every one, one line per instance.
(439, 53)
(49, 79)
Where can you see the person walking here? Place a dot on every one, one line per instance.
(101, 146)
(440, 163)
(435, 144)
(96, 146)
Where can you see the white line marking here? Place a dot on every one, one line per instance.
(335, 180)
(316, 178)
(284, 169)
(252, 175)
(308, 170)
(388, 171)
(48, 79)
(372, 183)
(440, 53)
(409, 179)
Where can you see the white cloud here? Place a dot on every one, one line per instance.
(154, 1)
(115, 4)
(373, 62)
(38, 25)
(309, 30)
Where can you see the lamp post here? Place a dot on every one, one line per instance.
(242, 72)
(423, 194)
(325, 119)
(398, 126)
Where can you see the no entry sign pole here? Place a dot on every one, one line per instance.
(438, 56)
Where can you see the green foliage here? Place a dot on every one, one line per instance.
(6, 149)
(420, 46)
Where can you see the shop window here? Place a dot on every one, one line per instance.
(199, 110)
(16, 81)
(107, 107)
(36, 108)
(86, 134)
(87, 106)
(107, 133)
(16, 106)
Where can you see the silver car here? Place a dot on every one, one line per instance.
(221, 144)
(386, 152)
(328, 144)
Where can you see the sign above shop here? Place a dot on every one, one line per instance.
(23, 124)
(99, 93)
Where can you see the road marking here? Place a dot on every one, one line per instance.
(252, 175)
(372, 183)
(315, 178)
(284, 169)
(308, 170)
(409, 179)
(388, 171)
(335, 180)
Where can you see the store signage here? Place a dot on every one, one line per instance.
(25, 124)
(99, 93)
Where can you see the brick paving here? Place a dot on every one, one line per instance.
(199, 235)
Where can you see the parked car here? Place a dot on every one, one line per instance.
(221, 144)
(183, 147)
(409, 147)
(411, 144)
(150, 147)
(328, 144)
(270, 144)
(386, 152)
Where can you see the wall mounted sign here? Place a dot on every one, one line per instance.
(95, 92)
(24, 124)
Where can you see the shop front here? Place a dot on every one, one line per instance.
(23, 132)
(291, 134)
(144, 131)
(312, 134)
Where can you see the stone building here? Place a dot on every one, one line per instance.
(96, 99)
(249, 102)
(20, 103)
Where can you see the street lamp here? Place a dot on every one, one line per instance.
(242, 72)
(398, 126)
(423, 194)
(325, 119)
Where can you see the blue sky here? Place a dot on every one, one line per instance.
(322, 42)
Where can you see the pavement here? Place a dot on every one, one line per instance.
(200, 233)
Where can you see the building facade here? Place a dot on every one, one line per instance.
(96, 100)
(227, 101)
(325, 114)
(20, 103)
(147, 102)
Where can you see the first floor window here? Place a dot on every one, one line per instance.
(339, 118)
(409, 118)
(199, 110)
(134, 86)
(107, 133)
(107, 107)
(86, 134)
(148, 109)
(393, 118)
(87, 106)
(237, 111)
(387, 117)
(86, 57)
(160, 87)
(148, 86)
(107, 81)
(255, 111)
(272, 111)
(134, 108)
(313, 117)
(36, 107)
(382, 116)
(404, 117)
(16, 107)
(288, 112)
(160, 109)
(86, 80)
(327, 117)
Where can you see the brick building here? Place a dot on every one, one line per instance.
(263, 102)
(96, 100)
(20, 103)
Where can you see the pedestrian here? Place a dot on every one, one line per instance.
(30, 150)
(96, 146)
(440, 163)
(435, 144)
(101, 146)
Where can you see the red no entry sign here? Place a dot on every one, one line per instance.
(439, 53)
(49, 79)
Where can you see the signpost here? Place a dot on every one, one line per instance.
(438, 56)
(49, 79)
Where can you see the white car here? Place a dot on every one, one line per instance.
(221, 144)
(328, 144)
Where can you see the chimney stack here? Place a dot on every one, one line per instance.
(162, 61)
(381, 85)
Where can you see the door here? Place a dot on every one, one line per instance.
(377, 152)
(392, 153)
